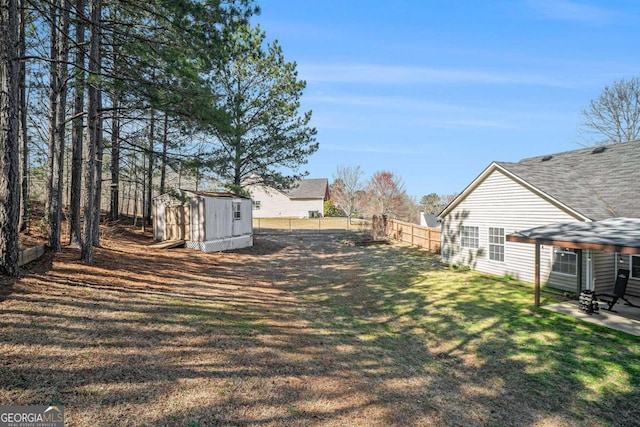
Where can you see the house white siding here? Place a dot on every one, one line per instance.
(274, 204)
(500, 202)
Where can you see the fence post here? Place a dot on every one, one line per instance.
(412, 234)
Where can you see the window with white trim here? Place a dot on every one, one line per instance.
(634, 262)
(236, 211)
(256, 205)
(496, 244)
(469, 237)
(564, 261)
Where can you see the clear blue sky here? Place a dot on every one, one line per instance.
(435, 90)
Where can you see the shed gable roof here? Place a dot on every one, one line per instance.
(595, 183)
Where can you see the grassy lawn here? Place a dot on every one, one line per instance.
(302, 330)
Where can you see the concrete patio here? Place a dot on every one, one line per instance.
(627, 318)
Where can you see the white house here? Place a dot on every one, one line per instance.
(586, 185)
(304, 200)
(209, 222)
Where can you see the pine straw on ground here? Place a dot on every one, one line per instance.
(293, 331)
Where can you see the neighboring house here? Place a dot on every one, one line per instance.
(305, 199)
(590, 184)
(210, 222)
(429, 220)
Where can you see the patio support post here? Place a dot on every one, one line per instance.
(578, 273)
(537, 274)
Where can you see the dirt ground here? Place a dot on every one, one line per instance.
(179, 337)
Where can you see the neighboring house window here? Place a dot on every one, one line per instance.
(496, 244)
(256, 205)
(469, 237)
(236, 211)
(635, 266)
(564, 261)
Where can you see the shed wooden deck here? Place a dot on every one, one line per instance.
(168, 244)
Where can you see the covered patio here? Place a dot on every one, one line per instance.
(627, 318)
(620, 235)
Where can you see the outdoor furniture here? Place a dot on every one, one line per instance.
(619, 289)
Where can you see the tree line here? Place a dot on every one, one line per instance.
(382, 194)
(100, 96)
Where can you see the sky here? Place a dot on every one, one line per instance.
(434, 91)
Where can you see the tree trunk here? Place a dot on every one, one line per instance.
(97, 204)
(92, 134)
(135, 199)
(165, 138)
(75, 232)
(58, 98)
(22, 114)
(149, 192)
(9, 144)
(115, 160)
(52, 207)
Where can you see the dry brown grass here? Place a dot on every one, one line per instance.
(297, 330)
(150, 337)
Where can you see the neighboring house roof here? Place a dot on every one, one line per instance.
(429, 220)
(590, 183)
(309, 189)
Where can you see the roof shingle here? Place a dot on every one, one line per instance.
(309, 189)
(599, 184)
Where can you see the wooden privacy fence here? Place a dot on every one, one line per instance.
(177, 222)
(309, 225)
(424, 237)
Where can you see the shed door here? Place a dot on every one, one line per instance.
(178, 222)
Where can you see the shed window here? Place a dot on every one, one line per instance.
(564, 261)
(496, 244)
(256, 205)
(635, 266)
(236, 211)
(469, 237)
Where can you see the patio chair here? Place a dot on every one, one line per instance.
(619, 290)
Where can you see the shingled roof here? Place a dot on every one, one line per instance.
(309, 189)
(599, 183)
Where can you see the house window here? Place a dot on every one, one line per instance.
(256, 205)
(496, 244)
(236, 211)
(469, 237)
(564, 261)
(635, 266)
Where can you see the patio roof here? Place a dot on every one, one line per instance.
(610, 235)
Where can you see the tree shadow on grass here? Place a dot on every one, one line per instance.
(314, 333)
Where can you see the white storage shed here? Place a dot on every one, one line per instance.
(207, 221)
